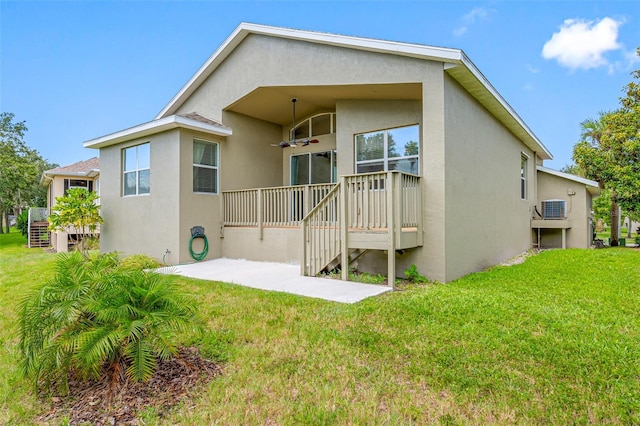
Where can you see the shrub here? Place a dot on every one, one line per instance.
(139, 262)
(22, 223)
(414, 276)
(93, 319)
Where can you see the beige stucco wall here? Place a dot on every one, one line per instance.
(247, 158)
(146, 224)
(261, 61)
(276, 245)
(486, 219)
(551, 187)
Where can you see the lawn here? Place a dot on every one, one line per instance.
(555, 340)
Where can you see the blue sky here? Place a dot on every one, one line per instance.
(76, 70)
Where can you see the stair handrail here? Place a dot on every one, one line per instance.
(312, 254)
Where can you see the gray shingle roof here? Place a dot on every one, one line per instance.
(79, 168)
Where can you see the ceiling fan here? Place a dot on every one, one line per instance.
(293, 143)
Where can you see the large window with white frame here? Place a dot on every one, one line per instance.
(205, 167)
(388, 150)
(136, 170)
(523, 176)
(313, 167)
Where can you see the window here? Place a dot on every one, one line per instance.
(136, 170)
(523, 177)
(387, 150)
(321, 124)
(313, 167)
(205, 166)
(77, 183)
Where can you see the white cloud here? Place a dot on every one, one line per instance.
(582, 44)
(476, 14)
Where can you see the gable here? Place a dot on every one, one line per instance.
(453, 61)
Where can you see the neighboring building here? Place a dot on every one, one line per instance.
(570, 196)
(83, 174)
(405, 154)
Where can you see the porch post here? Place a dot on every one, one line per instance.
(259, 211)
(303, 252)
(306, 197)
(398, 205)
(344, 229)
(391, 227)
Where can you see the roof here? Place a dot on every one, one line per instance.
(87, 168)
(592, 186)
(193, 121)
(458, 66)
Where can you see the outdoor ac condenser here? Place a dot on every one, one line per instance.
(554, 209)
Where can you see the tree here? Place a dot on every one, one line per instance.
(20, 170)
(95, 319)
(573, 169)
(77, 212)
(609, 152)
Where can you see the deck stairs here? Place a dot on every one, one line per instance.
(39, 235)
(377, 211)
(336, 263)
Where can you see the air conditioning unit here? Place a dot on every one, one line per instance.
(554, 209)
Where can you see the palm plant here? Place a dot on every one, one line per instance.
(94, 319)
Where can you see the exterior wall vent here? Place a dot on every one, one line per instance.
(554, 209)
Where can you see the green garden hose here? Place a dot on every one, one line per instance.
(201, 255)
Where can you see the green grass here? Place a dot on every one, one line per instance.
(555, 340)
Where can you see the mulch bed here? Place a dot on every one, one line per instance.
(98, 403)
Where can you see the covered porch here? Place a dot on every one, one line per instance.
(329, 225)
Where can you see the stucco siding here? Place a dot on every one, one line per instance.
(144, 223)
(578, 208)
(487, 221)
(247, 158)
(276, 245)
(261, 61)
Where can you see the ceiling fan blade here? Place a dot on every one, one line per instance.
(282, 144)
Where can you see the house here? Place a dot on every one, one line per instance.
(329, 150)
(83, 174)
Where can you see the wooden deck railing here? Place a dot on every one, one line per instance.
(385, 202)
(282, 206)
(321, 233)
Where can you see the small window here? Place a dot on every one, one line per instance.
(387, 150)
(523, 177)
(136, 173)
(77, 183)
(205, 167)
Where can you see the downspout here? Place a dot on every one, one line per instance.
(535, 196)
(535, 178)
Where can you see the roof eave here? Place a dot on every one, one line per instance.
(592, 186)
(156, 126)
(497, 104)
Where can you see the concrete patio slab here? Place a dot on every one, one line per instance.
(276, 277)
